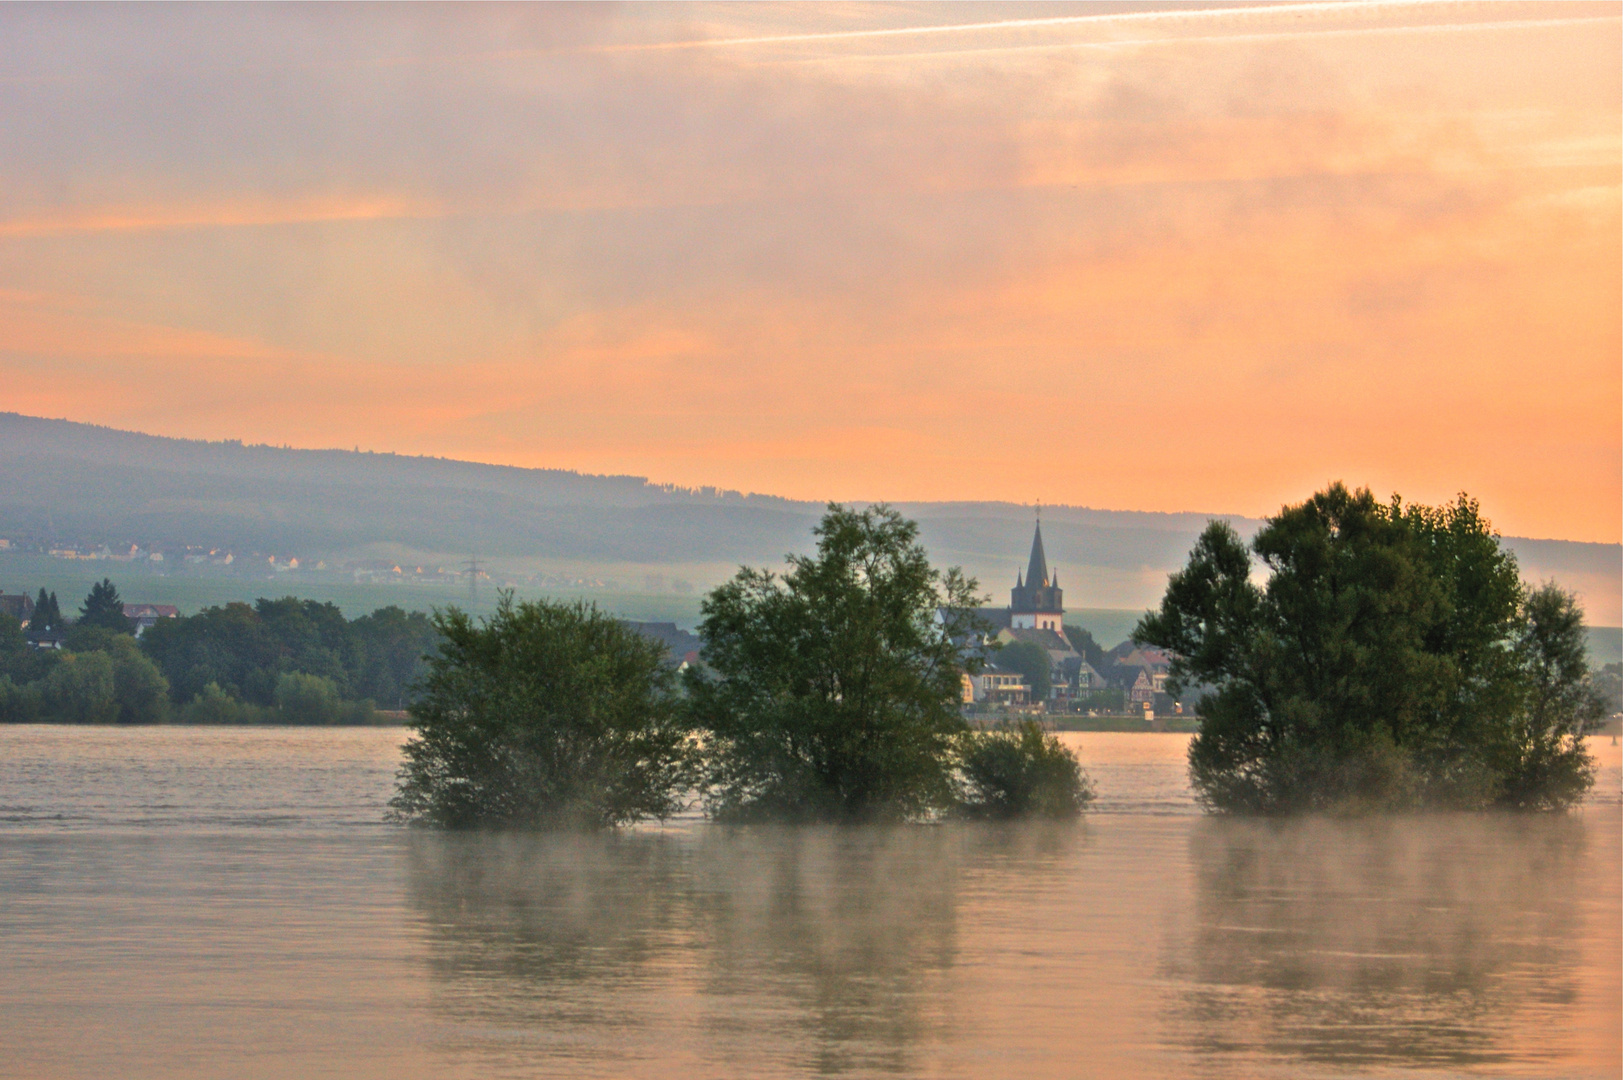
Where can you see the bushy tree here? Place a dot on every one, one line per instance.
(104, 608)
(231, 646)
(1031, 660)
(246, 649)
(389, 648)
(1082, 641)
(543, 715)
(18, 704)
(79, 690)
(1383, 663)
(1543, 763)
(1020, 770)
(831, 693)
(140, 691)
(307, 699)
(18, 661)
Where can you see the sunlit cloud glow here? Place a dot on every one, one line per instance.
(1134, 257)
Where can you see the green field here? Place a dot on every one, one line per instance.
(191, 589)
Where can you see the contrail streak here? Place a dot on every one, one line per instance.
(1126, 43)
(1287, 10)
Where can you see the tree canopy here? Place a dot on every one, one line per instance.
(47, 616)
(831, 692)
(544, 715)
(1392, 657)
(104, 608)
(1031, 660)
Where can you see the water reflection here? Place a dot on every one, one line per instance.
(1116, 947)
(796, 949)
(1441, 942)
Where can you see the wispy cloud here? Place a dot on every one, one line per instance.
(1376, 241)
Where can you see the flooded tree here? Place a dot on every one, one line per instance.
(543, 716)
(1392, 658)
(831, 693)
(1020, 770)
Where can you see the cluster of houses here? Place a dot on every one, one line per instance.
(1129, 678)
(1036, 615)
(20, 606)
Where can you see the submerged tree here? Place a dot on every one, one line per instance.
(832, 693)
(1020, 770)
(1392, 658)
(543, 716)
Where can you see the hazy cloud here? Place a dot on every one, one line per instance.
(1141, 258)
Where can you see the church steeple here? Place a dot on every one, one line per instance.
(1037, 572)
(1036, 601)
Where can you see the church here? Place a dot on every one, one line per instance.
(1036, 614)
(1036, 602)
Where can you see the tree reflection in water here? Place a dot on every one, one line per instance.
(1125, 946)
(789, 949)
(1424, 942)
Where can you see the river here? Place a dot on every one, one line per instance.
(215, 902)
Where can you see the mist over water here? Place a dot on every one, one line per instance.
(226, 902)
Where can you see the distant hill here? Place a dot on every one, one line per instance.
(67, 482)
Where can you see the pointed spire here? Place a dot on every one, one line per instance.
(1037, 572)
(1018, 583)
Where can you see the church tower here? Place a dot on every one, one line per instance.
(1037, 602)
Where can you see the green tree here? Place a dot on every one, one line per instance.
(831, 693)
(1031, 660)
(47, 616)
(18, 661)
(543, 716)
(1020, 770)
(18, 704)
(140, 691)
(213, 705)
(1378, 666)
(104, 608)
(1082, 641)
(80, 690)
(302, 698)
(1544, 764)
(231, 646)
(390, 647)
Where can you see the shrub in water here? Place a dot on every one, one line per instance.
(1020, 770)
(1392, 658)
(831, 693)
(543, 716)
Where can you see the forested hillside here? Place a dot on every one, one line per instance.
(69, 483)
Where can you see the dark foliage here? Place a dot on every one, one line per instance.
(1393, 658)
(544, 716)
(245, 650)
(103, 608)
(831, 693)
(1082, 641)
(47, 617)
(1032, 661)
(1020, 770)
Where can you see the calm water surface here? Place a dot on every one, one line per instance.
(226, 903)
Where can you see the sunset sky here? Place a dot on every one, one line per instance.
(1121, 256)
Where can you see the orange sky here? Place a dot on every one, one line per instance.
(1112, 255)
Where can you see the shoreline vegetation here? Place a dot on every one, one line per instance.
(1356, 656)
(826, 694)
(287, 661)
(1390, 658)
